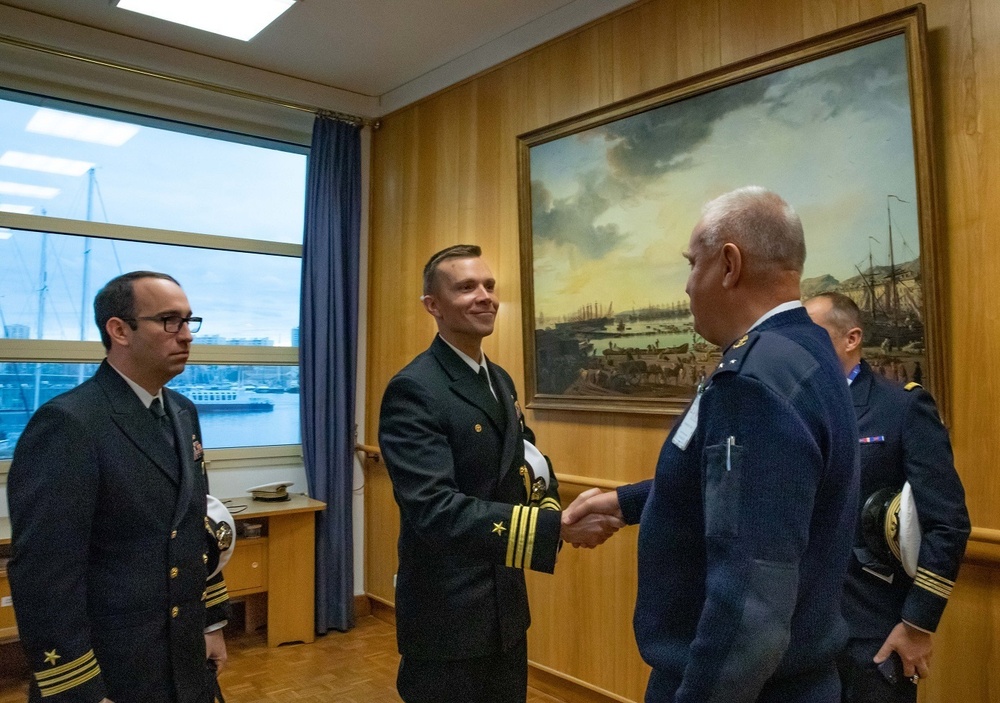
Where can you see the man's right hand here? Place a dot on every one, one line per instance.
(914, 649)
(591, 519)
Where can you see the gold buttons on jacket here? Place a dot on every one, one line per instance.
(479, 428)
(204, 558)
(174, 571)
(175, 611)
(173, 534)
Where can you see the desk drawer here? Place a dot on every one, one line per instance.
(246, 571)
(6, 608)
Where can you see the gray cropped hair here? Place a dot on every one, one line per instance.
(760, 223)
(844, 313)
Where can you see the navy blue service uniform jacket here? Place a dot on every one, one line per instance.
(467, 531)
(745, 535)
(109, 548)
(903, 439)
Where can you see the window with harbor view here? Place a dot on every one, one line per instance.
(87, 194)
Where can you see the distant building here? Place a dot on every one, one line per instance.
(256, 342)
(237, 342)
(17, 332)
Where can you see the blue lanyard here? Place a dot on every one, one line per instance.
(853, 374)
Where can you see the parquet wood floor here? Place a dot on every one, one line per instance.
(354, 667)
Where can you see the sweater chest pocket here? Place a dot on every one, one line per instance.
(721, 488)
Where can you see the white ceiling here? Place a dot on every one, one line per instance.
(395, 50)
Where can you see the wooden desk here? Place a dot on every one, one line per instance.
(8, 627)
(275, 573)
(281, 563)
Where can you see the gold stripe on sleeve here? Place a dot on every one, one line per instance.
(69, 675)
(213, 593)
(531, 539)
(522, 536)
(550, 503)
(63, 668)
(930, 581)
(515, 519)
(55, 686)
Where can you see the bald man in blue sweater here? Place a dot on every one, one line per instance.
(746, 529)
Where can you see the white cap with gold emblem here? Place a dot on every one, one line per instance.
(891, 529)
(221, 529)
(909, 531)
(535, 459)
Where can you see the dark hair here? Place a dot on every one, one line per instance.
(844, 313)
(117, 299)
(458, 251)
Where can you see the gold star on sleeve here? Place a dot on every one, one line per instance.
(498, 528)
(51, 657)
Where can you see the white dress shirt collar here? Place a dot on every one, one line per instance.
(144, 396)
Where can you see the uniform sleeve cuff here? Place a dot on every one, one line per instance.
(632, 499)
(216, 626)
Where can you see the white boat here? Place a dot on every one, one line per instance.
(228, 400)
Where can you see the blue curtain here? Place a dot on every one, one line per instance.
(328, 343)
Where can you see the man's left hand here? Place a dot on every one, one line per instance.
(215, 646)
(912, 645)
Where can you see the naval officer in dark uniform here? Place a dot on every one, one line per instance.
(107, 495)
(902, 439)
(478, 503)
(745, 530)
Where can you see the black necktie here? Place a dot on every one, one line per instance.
(160, 413)
(486, 379)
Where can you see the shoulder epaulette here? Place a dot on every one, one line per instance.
(911, 385)
(732, 358)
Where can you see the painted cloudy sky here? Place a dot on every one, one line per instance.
(613, 206)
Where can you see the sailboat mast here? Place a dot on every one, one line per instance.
(86, 257)
(43, 289)
(871, 281)
(894, 293)
(91, 176)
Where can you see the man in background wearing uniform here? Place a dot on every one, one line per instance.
(478, 503)
(902, 439)
(745, 530)
(107, 495)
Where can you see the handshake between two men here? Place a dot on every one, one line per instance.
(592, 518)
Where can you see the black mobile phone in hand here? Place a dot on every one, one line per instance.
(892, 669)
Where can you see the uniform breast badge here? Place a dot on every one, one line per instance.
(196, 445)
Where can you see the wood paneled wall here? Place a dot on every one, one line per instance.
(444, 171)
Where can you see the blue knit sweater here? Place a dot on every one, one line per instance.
(746, 529)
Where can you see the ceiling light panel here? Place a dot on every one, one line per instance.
(239, 19)
(46, 164)
(19, 209)
(81, 127)
(25, 190)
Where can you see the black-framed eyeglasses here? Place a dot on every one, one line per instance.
(171, 323)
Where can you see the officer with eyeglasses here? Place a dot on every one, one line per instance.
(107, 495)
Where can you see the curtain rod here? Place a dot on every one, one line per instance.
(190, 82)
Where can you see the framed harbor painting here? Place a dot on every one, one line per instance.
(837, 125)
